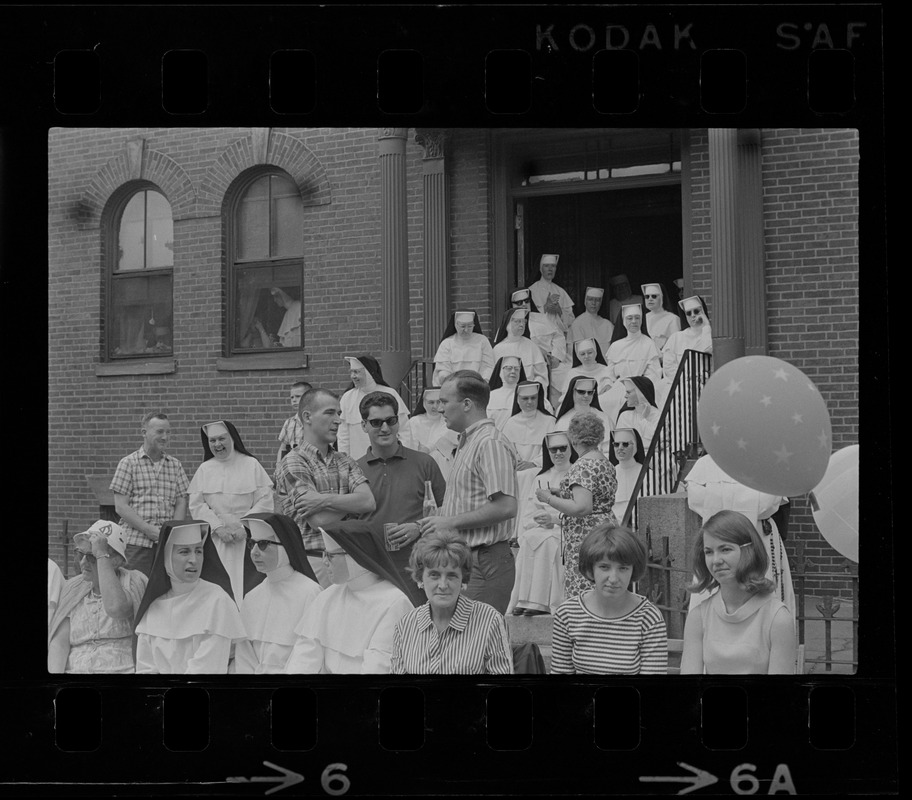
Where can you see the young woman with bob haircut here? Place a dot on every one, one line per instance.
(450, 634)
(742, 628)
(610, 630)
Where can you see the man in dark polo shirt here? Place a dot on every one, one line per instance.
(397, 477)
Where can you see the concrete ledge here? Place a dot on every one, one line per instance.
(536, 630)
(152, 366)
(262, 361)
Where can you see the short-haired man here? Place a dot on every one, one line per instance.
(397, 476)
(481, 493)
(150, 488)
(317, 485)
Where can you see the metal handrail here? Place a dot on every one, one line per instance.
(416, 381)
(676, 432)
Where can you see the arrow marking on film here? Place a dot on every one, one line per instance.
(698, 780)
(288, 778)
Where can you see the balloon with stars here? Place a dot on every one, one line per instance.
(765, 423)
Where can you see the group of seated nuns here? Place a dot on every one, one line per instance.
(185, 619)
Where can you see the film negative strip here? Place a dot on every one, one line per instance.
(514, 127)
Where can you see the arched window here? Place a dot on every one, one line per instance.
(266, 249)
(140, 276)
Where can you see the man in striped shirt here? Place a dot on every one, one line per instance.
(480, 501)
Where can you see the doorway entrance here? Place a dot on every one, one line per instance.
(598, 235)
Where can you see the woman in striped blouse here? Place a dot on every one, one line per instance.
(609, 630)
(450, 634)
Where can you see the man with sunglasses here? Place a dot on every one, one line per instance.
(397, 476)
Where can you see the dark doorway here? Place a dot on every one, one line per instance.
(635, 231)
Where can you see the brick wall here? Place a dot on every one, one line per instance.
(94, 421)
(810, 210)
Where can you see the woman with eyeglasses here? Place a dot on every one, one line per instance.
(463, 346)
(661, 321)
(639, 410)
(91, 630)
(539, 584)
(188, 620)
(627, 455)
(585, 496)
(697, 336)
(588, 362)
(273, 608)
(582, 396)
(508, 374)
(348, 628)
(229, 484)
(366, 377)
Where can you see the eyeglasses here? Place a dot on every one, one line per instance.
(558, 449)
(378, 423)
(327, 556)
(693, 312)
(584, 391)
(262, 544)
(623, 444)
(651, 296)
(86, 555)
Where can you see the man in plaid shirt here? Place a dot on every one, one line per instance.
(317, 485)
(150, 488)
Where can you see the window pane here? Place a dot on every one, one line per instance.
(253, 221)
(288, 218)
(141, 315)
(160, 230)
(131, 233)
(268, 307)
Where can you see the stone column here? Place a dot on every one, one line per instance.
(436, 230)
(395, 337)
(750, 217)
(727, 312)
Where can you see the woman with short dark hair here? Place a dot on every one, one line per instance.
(609, 629)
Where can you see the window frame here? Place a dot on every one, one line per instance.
(231, 227)
(111, 275)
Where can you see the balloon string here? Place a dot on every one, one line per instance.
(815, 506)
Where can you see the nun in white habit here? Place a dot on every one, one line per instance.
(528, 424)
(273, 609)
(366, 377)
(229, 484)
(187, 620)
(697, 336)
(549, 298)
(631, 353)
(628, 456)
(463, 346)
(427, 424)
(349, 627)
(661, 322)
(513, 339)
(590, 324)
(508, 373)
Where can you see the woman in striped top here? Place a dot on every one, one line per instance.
(609, 630)
(450, 634)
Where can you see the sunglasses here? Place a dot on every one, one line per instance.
(86, 554)
(693, 312)
(651, 296)
(562, 448)
(623, 444)
(262, 544)
(378, 423)
(584, 391)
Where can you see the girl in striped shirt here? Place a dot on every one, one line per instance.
(609, 630)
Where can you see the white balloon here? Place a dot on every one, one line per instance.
(836, 514)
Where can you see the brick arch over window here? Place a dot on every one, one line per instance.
(283, 151)
(156, 168)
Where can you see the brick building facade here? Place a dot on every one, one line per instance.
(96, 400)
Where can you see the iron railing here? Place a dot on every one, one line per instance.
(417, 379)
(676, 437)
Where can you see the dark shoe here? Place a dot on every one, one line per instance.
(518, 612)
(531, 612)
